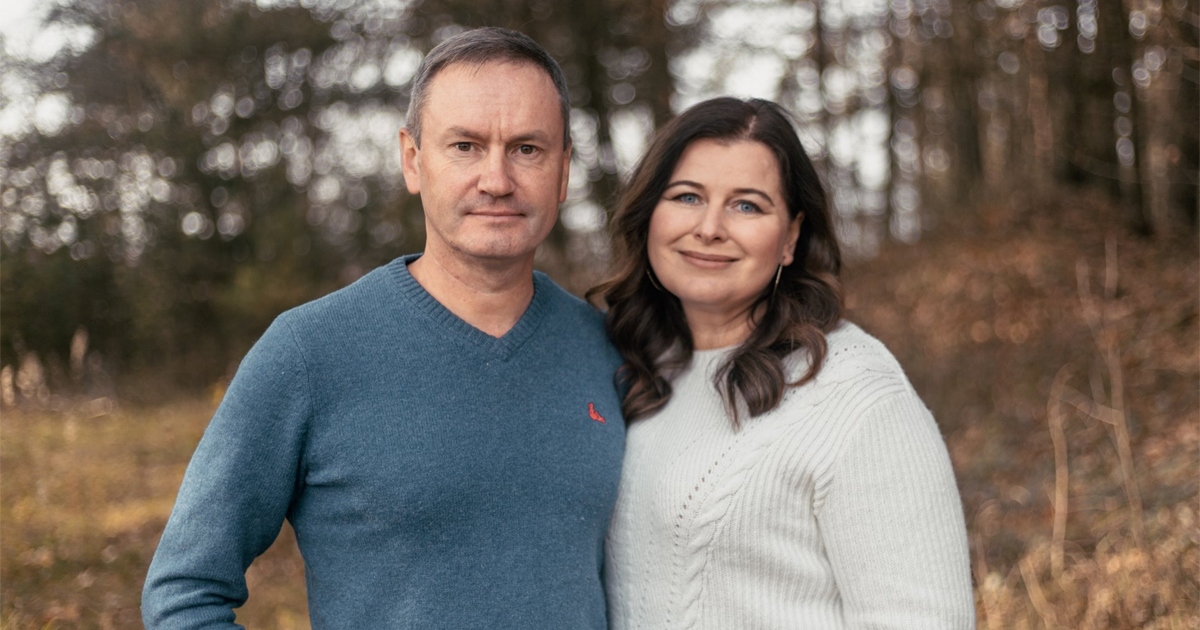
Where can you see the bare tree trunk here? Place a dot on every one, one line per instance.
(964, 84)
(658, 38)
(1186, 156)
(1157, 90)
(911, 63)
(895, 60)
(1117, 46)
(822, 56)
(1087, 134)
(1040, 165)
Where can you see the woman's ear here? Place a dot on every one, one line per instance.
(791, 238)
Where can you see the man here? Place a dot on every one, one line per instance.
(443, 435)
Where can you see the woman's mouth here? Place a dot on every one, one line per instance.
(707, 261)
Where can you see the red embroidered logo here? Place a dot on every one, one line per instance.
(594, 414)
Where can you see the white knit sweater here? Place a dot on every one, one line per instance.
(837, 509)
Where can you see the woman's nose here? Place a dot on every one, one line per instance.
(711, 226)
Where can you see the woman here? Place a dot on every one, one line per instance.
(780, 471)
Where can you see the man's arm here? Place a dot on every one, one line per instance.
(236, 492)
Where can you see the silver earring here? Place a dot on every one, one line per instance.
(778, 272)
(651, 277)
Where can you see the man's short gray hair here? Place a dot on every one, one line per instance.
(477, 47)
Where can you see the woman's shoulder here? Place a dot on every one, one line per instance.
(853, 354)
(860, 384)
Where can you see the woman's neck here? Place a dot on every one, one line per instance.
(717, 329)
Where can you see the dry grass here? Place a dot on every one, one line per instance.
(84, 502)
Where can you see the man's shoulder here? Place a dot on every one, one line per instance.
(355, 304)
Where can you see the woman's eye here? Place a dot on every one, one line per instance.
(688, 198)
(746, 206)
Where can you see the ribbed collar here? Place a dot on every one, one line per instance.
(706, 362)
(713, 354)
(441, 320)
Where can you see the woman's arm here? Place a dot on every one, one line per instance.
(892, 523)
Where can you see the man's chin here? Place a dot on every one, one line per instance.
(499, 252)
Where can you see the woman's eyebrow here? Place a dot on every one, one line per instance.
(754, 191)
(684, 182)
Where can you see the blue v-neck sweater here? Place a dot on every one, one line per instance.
(436, 477)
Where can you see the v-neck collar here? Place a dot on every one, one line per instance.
(454, 327)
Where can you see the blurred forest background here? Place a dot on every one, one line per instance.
(1015, 183)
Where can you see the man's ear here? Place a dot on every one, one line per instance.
(408, 161)
(793, 236)
(566, 175)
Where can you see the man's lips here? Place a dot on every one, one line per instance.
(497, 210)
(502, 214)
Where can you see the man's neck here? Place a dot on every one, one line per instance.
(490, 296)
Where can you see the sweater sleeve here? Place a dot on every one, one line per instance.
(236, 492)
(893, 526)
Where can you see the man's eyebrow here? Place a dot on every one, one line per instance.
(532, 136)
(463, 132)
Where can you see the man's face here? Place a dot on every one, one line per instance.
(491, 169)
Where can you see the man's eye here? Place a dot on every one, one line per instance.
(527, 149)
(462, 146)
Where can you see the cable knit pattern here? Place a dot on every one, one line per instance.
(837, 509)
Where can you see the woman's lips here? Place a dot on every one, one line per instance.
(707, 261)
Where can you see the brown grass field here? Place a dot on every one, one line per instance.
(1061, 360)
(85, 500)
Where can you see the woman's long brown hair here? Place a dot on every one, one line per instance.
(648, 326)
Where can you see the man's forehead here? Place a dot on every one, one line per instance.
(477, 72)
(466, 94)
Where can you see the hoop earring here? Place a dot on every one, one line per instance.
(652, 282)
(778, 272)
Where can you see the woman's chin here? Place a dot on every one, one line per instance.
(715, 304)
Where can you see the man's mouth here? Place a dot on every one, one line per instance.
(496, 209)
(500, 214)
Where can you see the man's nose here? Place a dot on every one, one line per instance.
(711, 224)
(496, 178)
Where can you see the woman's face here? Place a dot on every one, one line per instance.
(721, 228)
